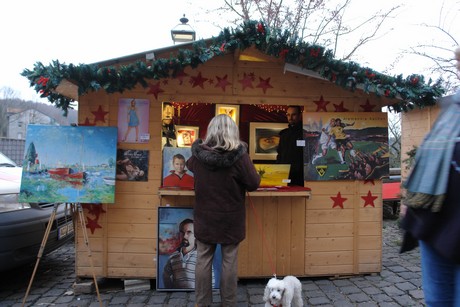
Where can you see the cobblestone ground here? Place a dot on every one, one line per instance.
(399, 284)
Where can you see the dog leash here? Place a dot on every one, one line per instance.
(264, 239)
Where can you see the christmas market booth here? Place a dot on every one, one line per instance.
(162, 100)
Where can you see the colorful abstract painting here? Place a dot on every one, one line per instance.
(69, 164)
(346, 146)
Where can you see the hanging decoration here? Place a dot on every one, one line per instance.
(411, 92)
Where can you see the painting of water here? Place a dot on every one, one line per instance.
(69, 164)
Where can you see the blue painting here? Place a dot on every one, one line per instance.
(69, 164)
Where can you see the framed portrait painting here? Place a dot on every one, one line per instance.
(175, 174)
(177, 253)
(264, 140)
(186, 135)
(230, 109)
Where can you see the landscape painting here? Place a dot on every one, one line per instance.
(345, 145)
(69, 164)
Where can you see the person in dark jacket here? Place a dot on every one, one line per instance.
(432, 218)
(223, 173)
(290, 149)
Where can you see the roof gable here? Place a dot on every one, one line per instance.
(272, 45)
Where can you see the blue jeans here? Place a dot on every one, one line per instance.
(440, 278)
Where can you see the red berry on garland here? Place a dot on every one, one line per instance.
(414, 81)
(260, 28)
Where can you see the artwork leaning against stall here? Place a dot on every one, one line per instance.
(69, 164)
(177, 255)
(346, 146)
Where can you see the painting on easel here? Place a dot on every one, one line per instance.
(69, 164)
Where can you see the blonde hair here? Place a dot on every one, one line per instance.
(223, 133)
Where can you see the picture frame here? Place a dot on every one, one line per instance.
(186, 135)
(361, 151)
(69, 164)
(170, 176)
(171, 242)
(133, 120)
(231, 110)
(264, 140)
(132, 165)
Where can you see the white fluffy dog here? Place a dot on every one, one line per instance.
(284, 292)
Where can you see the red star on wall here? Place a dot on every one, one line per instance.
(222, 82)
(180, 76)
(338, 200)
(367, 107)
(321, 104)
(92, 224)
(264, 84)
(99, 115)
(155, 89)
(94, 209)
(87, 123)
(198, 81)
(247, 81)
(340, 107)
(369, 199)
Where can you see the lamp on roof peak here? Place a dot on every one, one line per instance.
(183, 32)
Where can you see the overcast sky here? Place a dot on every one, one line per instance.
(88, 31)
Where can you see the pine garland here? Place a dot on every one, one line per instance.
(411, 91)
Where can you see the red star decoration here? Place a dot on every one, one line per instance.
(99, 115)
(369, 199)
(94, 209)
(247, 81)
(198, 81)
(338, 200)
(367, 107)
(165, 82)
(264, 84)
(92, 224)
(180, 76)
(222, 82)
(87, 123)
(370, 181)
(321, 103)
(340, 107)
(155, 89)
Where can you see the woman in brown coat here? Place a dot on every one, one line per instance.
(223, 173)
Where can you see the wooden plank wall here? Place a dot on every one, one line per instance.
(310, 237)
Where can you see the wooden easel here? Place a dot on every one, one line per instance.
(76, 210)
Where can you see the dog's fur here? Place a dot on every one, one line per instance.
(284, 292)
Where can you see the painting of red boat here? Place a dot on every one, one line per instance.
(67, 174)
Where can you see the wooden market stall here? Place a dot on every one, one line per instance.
(329, 228)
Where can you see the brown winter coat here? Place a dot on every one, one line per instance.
(221, 181)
